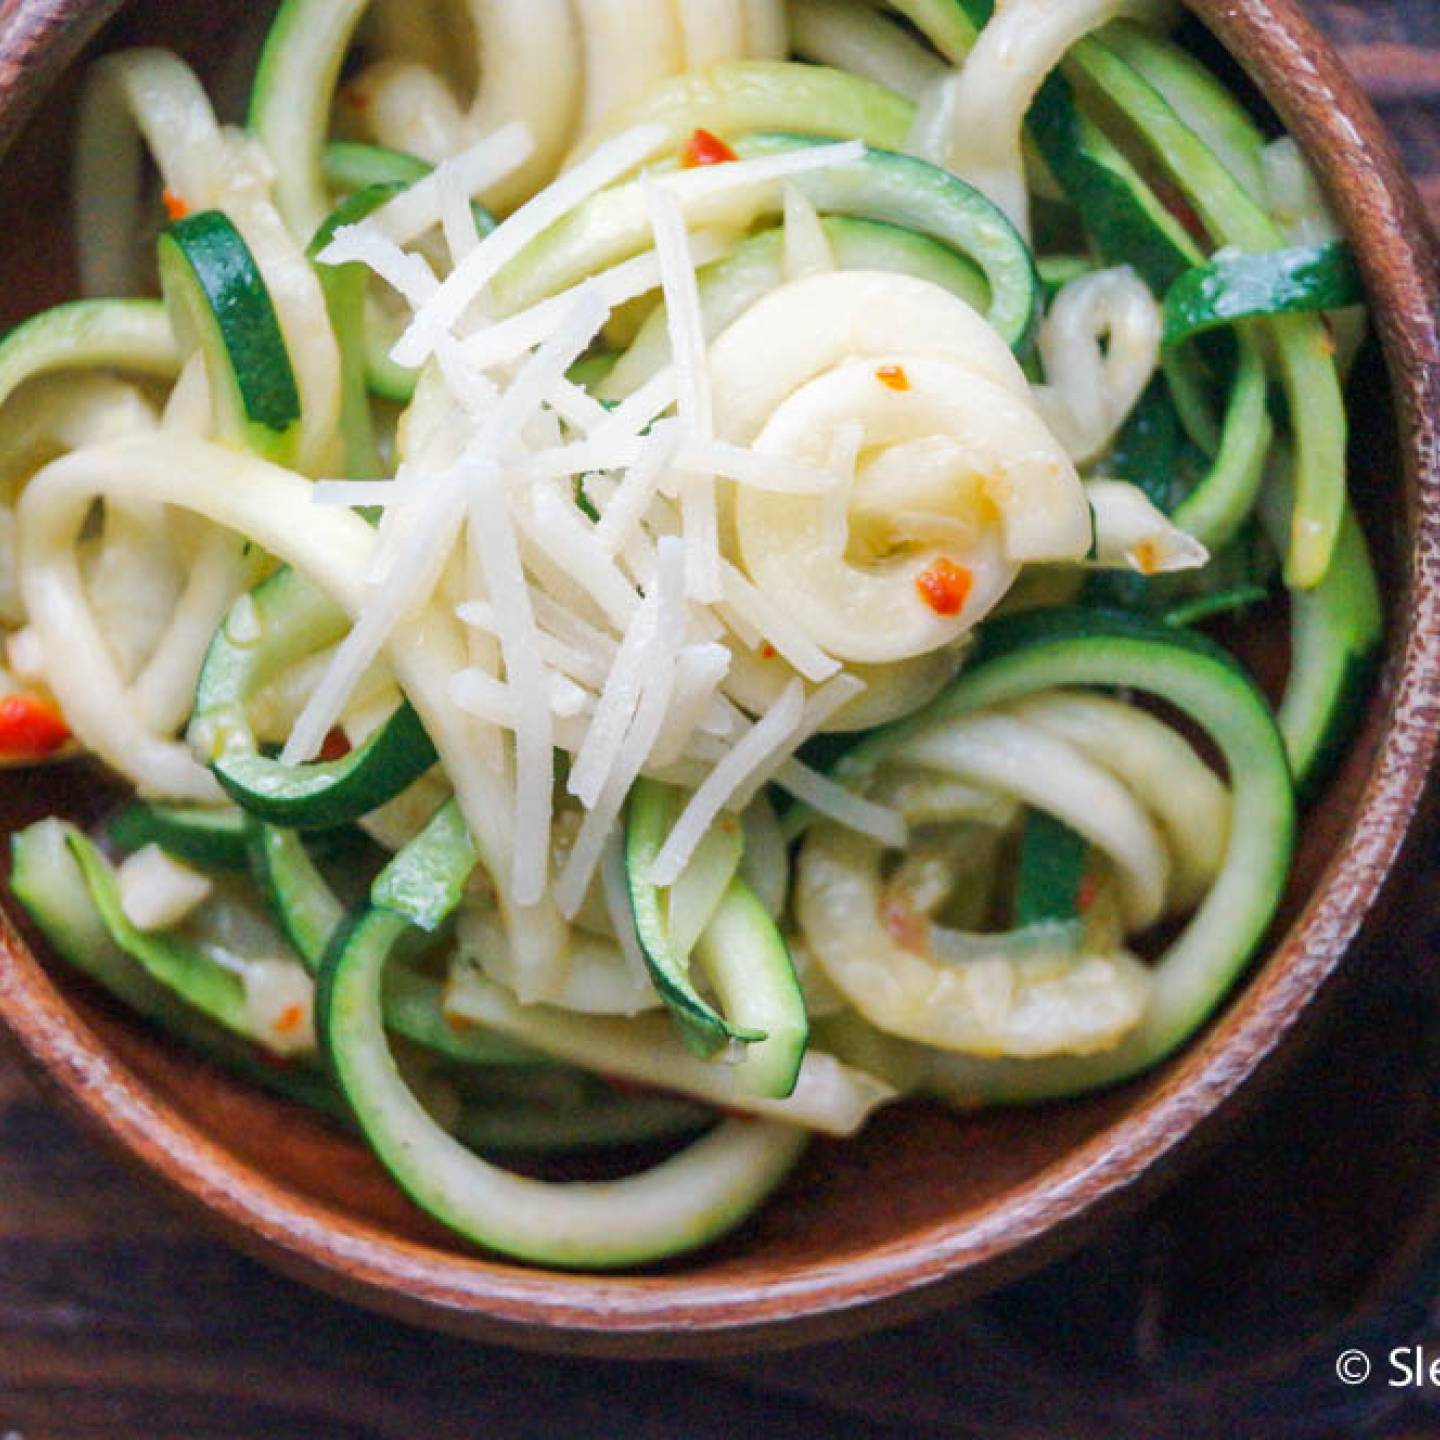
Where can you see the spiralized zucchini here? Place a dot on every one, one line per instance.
(640, 572)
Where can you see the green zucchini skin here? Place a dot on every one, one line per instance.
(291, 98)
(218, 298)
(294, 619)
(949, 25)
(364, 351)
(600, 1122)
(1058, 271)
(914, 195)
(425, 882)
(130, 335)
(312, 916)
(346, 288)
(298, 895)
(1304, 353)
(740, 949)
(863, 243)
(703, 1029)
(216, 993)
(756, 267)
(284, 619)
(1127, 222)
(1209, 493)
(372, 175)
(414, 1011)
(686, 1202)
(48, 880)
(210, 839)
(1235, 287)
(1129, 225)
(1154, 454)
(329, 793)
(1044, 649)
(883, 185)
(1336, 635)
(359, 956)
(354, 169)
(1051, 867)
(749, 963)
(1212, 497)
(351, 166)
(1223, 500)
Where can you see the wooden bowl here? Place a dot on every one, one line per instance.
(927, 1205)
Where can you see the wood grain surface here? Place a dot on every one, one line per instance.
(1218, 1313)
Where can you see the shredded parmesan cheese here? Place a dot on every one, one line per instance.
(698, 674)
(807, 248)
(492, 538)
(158, 892)
(419, 206)
(769, 735)
(600, 617)
(506, 340)
(769, 624)
(691, 187)
(571, 541)
(642, 480)
(467, 281)
(819, 707)
(425, 550)
(832, 800)
(647, 719)
(404, 271)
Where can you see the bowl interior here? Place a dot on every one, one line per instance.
(972, 1197)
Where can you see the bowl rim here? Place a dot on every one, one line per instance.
(1323, 107)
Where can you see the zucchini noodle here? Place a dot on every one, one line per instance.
(977, 115)
(851, 35)
(151, 93)
(147, 94)
(531, 70)
(1100, 344)
(642, 572)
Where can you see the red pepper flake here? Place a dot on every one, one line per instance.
(1086, 894)
(335, 746)
(893, 376)
(175, 207)
(768, 651)
(289, 1020)
(1175, 201)
(635, 1089)
(704, 148)
(357, 97)
(458, 1023)
(730, 1113)
(1327, 339)
(1146, 556)
(31, 727)
(945, 587)
(909, 929)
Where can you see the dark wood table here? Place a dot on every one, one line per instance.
(1219, 1312)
